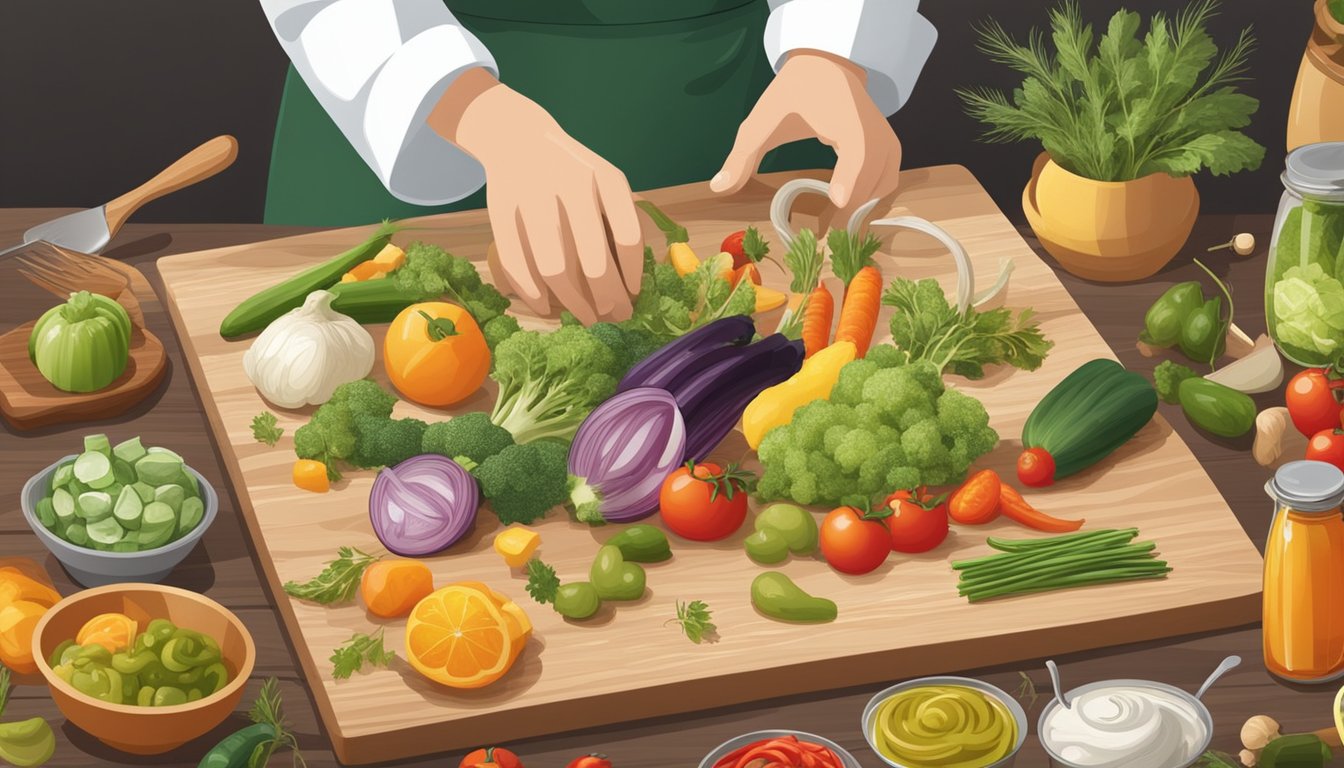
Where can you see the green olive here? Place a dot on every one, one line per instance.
(615, 579)
(767, 546)
(578, 600)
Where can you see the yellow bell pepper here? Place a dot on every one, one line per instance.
(389, 259)
(682, 258)
(814, 381)
(517, 545)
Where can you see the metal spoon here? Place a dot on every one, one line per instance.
(1054, 680)
(1222, 669)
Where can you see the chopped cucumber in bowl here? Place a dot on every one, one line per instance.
(128, 512)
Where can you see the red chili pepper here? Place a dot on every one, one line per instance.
(1016, 508)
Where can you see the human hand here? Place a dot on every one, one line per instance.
(823, 96)
(551, 201)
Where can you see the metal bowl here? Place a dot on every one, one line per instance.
(738, 742)
(1000, 695)
(95, 568)
(1203, 712)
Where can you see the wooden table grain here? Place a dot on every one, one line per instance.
(224, 565)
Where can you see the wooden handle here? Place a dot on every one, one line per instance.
(197, 165)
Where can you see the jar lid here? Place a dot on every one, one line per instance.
(1316, 169)
(1308, 486)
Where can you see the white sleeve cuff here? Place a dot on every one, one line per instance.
(888, 38)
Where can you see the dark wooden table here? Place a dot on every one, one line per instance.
(224, 565)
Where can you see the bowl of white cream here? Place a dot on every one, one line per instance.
(1126, 724)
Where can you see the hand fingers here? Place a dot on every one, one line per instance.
(753, 141)
(589, 234)
(514, 260)
(544, 235)
(856, 173)
(619, 206)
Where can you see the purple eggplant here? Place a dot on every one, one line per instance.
(712, 402)
(676, 357)
(622, 453)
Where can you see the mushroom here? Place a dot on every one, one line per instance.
(1242, 245)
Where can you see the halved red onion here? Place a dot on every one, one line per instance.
(423, 505)
(623, 452)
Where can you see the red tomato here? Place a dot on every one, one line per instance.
(590, 761)
(917, 523)
(1311, 401)
(854, 541)
(704, 502)
(732, 245)
(491, 757)
(1036, 468)
(1328, 446)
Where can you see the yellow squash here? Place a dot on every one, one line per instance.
(775, 406)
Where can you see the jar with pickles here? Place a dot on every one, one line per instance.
(1304, 280)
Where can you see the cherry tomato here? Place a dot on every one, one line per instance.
(918, 523)
(732, 245)
(590, 761)
(1312, 403)
(854, 541)
(491, 757)
(704, 502)
(1328, 446)
(1036, 467)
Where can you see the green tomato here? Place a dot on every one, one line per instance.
(82, 345)
(577, 600)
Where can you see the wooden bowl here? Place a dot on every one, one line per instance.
(146, 730)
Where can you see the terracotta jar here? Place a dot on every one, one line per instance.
(1317, 110)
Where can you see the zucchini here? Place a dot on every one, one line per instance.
(371, 301)
(1216, 408)
(1089, 414)
(258, 311)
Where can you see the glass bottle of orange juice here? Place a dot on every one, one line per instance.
(1304, 574)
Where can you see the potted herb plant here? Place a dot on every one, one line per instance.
(1124, 120)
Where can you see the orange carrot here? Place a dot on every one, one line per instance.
(1017, 509)
(817, 320)
(858, 313)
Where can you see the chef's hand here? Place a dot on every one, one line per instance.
(551, 201)
(819, 95)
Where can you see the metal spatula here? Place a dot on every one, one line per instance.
(90, 231)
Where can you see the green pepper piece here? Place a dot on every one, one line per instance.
(1164, 319)
(27, 743)
(213, 678)
(93, 653)
(1203, 335)
(157, 633)
(615, 579)
(133, 663)
(57, 656)
(642, 543)
(185, 651)
(168, 696)
(145, 696)
(577, 600)
(775, 595)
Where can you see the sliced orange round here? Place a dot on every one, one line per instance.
(465, 635)
(113, 631)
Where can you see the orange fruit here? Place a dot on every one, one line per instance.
(17, 586)
(465, 635)
(18, 621)
(113, 631)
(391, 588)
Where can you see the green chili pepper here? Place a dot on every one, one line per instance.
(1162, 324)
(1203, 334)
(236, 749)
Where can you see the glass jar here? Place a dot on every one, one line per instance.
(1304, 278)
(1303, 627)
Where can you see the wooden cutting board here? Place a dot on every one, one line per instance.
(903, 620)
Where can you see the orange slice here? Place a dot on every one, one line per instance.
(18, 621)
(465, 635)
(113, 631)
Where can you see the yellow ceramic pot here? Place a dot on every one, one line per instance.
(1109, 231)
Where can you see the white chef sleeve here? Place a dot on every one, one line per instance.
(378, 67)
(888, 38)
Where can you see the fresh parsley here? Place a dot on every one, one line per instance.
(359, 650)
(754, 246)
(268, 709)
(542, 583)
(926, 327)
(337, 582)
(850, 253)
(1124, 106)
(803, 260)
(694, 619)
(265, 429)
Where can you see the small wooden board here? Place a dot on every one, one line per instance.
(28, 401)
(903, 620)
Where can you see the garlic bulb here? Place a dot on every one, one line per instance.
(303, 355)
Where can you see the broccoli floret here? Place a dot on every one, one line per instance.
(431, 273)
(471, 435)
(883, 429)
(524, 482)
(629, 345)
(381, 442)
(329, 436)
(1167, 378)
(497, 329)
(548, 383)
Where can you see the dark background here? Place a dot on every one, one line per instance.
(97, 96)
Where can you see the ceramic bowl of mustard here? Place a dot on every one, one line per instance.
(738, 742)
(924, 710)
(147, 730)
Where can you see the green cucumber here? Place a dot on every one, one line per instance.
(172, 495)
(129, 451)
(157, 469)
(259, 310)
(46, 513)
(144, 490)
(93, 506)
(105, 532)
(97, 444)
(156, 516)
(1093, 411)
(77, 534)
(62, 475)
(371, 301)
(193, 509)
(63, 504)
(95, 469)
(1217, 408)
(128, 509)
(641, 543)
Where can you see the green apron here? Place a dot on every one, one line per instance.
(657, 87)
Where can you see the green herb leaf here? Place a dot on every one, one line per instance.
(803, 260)
(542, 583)
(693, 617)
(1215, 759)
(754, 246)
(265, 429)
(359, 650)
(268, 709)
(337, 582)
(850, 253)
